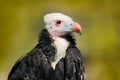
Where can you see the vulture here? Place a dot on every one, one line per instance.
(55, 57)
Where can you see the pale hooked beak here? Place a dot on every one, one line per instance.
(77, 28)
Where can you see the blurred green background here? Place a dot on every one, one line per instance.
(22, 20)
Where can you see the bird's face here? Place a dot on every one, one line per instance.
(61, 25)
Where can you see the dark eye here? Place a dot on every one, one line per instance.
(70, 24)
(58, 22)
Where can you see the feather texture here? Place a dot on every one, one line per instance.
(36, 65)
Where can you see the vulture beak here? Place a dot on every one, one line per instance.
(77, 28)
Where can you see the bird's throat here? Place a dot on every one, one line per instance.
(61, 45)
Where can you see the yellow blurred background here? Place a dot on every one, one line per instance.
(22, 20)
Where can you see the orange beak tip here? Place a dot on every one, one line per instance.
(77, 28)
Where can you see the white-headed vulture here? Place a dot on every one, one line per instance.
(56, 56)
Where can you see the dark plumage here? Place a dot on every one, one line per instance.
(55, 57)
(36, 64)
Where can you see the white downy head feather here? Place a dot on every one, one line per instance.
(48, 18)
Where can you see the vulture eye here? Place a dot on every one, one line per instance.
(58, 22)
(70, 24)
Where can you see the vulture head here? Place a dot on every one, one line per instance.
(58, 24)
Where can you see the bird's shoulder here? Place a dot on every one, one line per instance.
(28, 63)
(74, 61)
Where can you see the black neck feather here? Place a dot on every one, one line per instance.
(44, 43)
(45, 37)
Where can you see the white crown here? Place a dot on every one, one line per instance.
(48, 18)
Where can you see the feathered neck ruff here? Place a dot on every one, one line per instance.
(46, 39)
